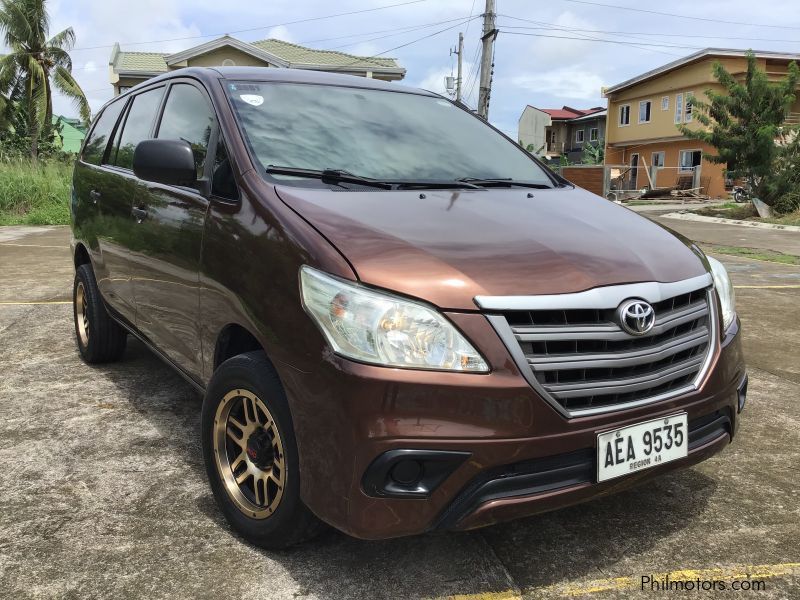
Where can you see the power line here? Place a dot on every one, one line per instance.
(556, 27)
(558, 37)
(690, 17)
(397, 32)
(393, 29)
(379, 54)
(195, 37)
(646, 33)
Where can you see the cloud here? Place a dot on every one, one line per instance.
(434, 79)
(554, 51)
(575, 83)
(280, 33)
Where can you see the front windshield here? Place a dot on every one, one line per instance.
(372, 133)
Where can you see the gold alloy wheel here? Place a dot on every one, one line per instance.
(249, 454)
(81, 314)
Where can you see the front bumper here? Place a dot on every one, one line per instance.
(347, 415)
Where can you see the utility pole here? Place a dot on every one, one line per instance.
(460, 53)
(487, 55)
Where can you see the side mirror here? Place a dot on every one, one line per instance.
(170, 162)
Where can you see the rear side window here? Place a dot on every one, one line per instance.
(95, 146)
(188, 116)
(138, 125)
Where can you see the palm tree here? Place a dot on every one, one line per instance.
(35, 65)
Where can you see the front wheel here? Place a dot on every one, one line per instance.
(251, 455)
(739, 196)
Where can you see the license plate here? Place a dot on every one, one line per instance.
(641, 446)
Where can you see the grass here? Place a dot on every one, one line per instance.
(34, 194)
(747, 212)
(790, 219)
(754, 253)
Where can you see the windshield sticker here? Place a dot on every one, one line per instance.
(253, 99)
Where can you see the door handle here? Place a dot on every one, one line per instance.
(140, 214)
(95, 196)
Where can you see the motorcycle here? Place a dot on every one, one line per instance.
(740, 194)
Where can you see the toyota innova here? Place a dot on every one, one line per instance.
(400, 321)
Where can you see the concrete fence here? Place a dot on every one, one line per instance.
(589, 177)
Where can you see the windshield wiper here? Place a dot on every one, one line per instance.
(329, 176)
(505, 183)
(435, 184)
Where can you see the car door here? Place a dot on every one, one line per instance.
(96, 209)
(172, 218)
(118, 241)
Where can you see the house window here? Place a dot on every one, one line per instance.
(644, 111)
(689, 159)
(624, 115)
(593, 132)
(579, 136)
(228, 62)
(665, 103)
(657, 159)
(688, 109)
(678, 108)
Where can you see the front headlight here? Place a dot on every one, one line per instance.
(379, 328)
(724, 287)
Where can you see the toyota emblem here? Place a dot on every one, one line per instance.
(636, 317)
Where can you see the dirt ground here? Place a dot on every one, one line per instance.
(103, 492)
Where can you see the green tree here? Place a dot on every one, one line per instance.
(34, 66)
(745, 122)
(593, 153)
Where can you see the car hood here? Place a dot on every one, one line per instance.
(446, 247)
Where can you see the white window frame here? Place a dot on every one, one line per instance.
(683, 169)
(678, 108)
(660, 153)
(664, 102)
(582, 134)
(687, 108)
(594, 134)
(650, 116)
(621, 109)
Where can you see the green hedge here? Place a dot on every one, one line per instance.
(35, 193)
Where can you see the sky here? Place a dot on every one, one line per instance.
(532, 66)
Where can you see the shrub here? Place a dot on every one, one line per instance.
(35, 193)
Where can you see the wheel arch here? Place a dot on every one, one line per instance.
(81, 255)
(234, 339)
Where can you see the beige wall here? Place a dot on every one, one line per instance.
(661, 132)
(216, 57)
(712, 176)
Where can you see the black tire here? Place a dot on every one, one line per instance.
(252, 375)
(100, 338)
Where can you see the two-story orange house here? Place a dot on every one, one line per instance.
(645, 111)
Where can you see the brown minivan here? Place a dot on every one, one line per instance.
(400, 320)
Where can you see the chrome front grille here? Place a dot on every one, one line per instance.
(571, 348)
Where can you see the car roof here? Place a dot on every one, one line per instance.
(272, 74)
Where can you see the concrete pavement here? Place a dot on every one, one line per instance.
(103, 493)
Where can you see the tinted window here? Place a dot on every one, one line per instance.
(188, 117)
(138, 125)
(374, 133)
(98, 140)
(223, 183)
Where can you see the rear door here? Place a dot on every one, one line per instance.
(93, 195)
(166, 279)
(120, 244)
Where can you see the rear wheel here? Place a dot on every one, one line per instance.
(100, 338)
(250, 454)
